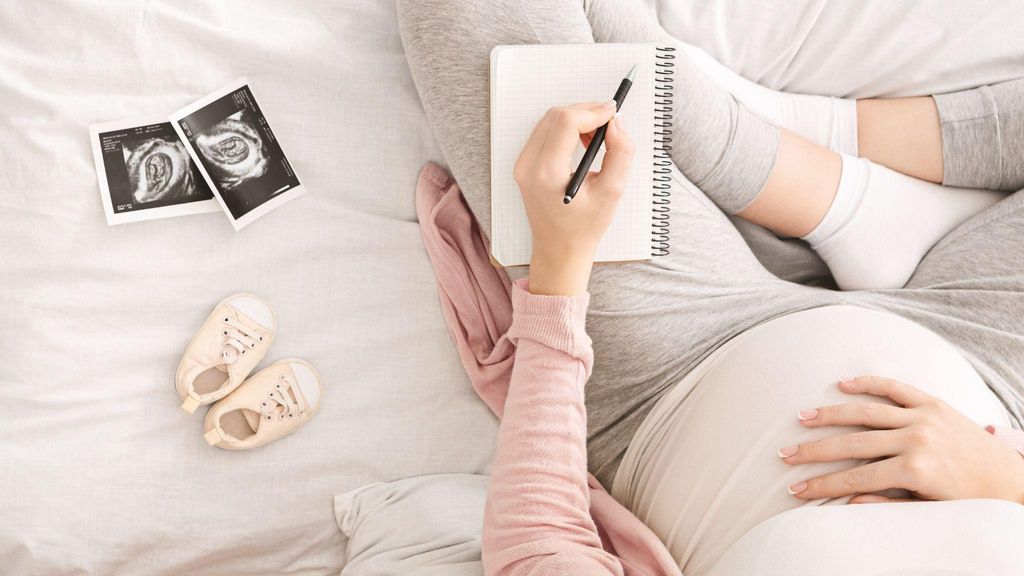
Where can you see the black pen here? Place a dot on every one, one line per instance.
(597, 141)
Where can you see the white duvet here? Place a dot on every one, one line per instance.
(100, 472)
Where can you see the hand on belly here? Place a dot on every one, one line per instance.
(703, 469)
(921, 444)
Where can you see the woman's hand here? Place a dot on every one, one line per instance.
(565, 236)
(923, 445)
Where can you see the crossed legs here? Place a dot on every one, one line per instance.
(870, 223)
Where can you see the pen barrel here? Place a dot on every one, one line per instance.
(591, 152)
(620, 94)
(595, 145)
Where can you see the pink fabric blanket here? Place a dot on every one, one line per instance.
(476, 299)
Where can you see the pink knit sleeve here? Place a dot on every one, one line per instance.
(537, 519)
(1009, 436)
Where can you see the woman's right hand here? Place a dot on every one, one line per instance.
(565, 236)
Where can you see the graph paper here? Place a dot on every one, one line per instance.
(528, 80)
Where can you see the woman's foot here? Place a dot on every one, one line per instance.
(882, 223)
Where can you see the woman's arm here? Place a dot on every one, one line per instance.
(537, 520)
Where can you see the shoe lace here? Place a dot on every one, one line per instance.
(280, 397)
(237, 340)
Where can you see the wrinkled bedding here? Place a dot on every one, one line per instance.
(100, 472)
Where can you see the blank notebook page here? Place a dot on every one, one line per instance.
(525, 82)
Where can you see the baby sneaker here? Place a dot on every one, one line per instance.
(230, 343)
(269, 405)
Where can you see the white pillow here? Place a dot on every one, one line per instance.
(420, 526)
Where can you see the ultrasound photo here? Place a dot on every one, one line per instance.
(145, 172)
(229, 137)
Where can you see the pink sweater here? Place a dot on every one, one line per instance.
(529, 358)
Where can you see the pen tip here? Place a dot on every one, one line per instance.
(566, 199)
(632, 73)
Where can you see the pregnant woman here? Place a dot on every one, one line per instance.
(722, 398)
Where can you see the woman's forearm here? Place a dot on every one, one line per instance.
(537, 519)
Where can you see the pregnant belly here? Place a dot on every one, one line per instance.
(703, 468)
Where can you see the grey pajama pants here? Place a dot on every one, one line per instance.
(652, 322)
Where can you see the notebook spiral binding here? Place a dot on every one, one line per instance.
(663, 93)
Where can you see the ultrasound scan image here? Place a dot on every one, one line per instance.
(159, 170)
(234, 151)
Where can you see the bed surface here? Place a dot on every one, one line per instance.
(100, 471)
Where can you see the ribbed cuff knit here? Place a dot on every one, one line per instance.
(558, 322)
(744, 168)
(983, 136)
(1011, 437)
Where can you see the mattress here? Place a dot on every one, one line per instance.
(100, 471)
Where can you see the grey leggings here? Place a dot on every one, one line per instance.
(652, 322)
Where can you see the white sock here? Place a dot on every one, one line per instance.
(882, 223)
(824, 120)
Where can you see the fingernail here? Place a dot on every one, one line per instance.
(618, 120)
(807, 414)
(845, 379)
(609, 104)
(787, 451)
(797, 488)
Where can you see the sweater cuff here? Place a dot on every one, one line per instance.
(558, 322)
(1011, 437)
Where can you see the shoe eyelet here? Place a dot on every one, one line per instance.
(225, 332)
(226, 318)
(261, 338)
(243, 351)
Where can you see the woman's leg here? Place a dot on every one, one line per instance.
(972, 138)
(983, 136)
(903, 134)
(964, 537)
(448, 45)
(979, 133)
(870, 224)
(650, 322)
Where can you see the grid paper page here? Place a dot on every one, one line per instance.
(525, 82)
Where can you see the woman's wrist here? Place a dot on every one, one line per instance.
(560, 273)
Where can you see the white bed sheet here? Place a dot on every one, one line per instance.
(855, 48)
(100, 472)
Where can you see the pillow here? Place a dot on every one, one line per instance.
(420, 526)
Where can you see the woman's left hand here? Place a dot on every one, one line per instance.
(922, 445)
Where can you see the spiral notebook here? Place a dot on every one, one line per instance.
(526, 81)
